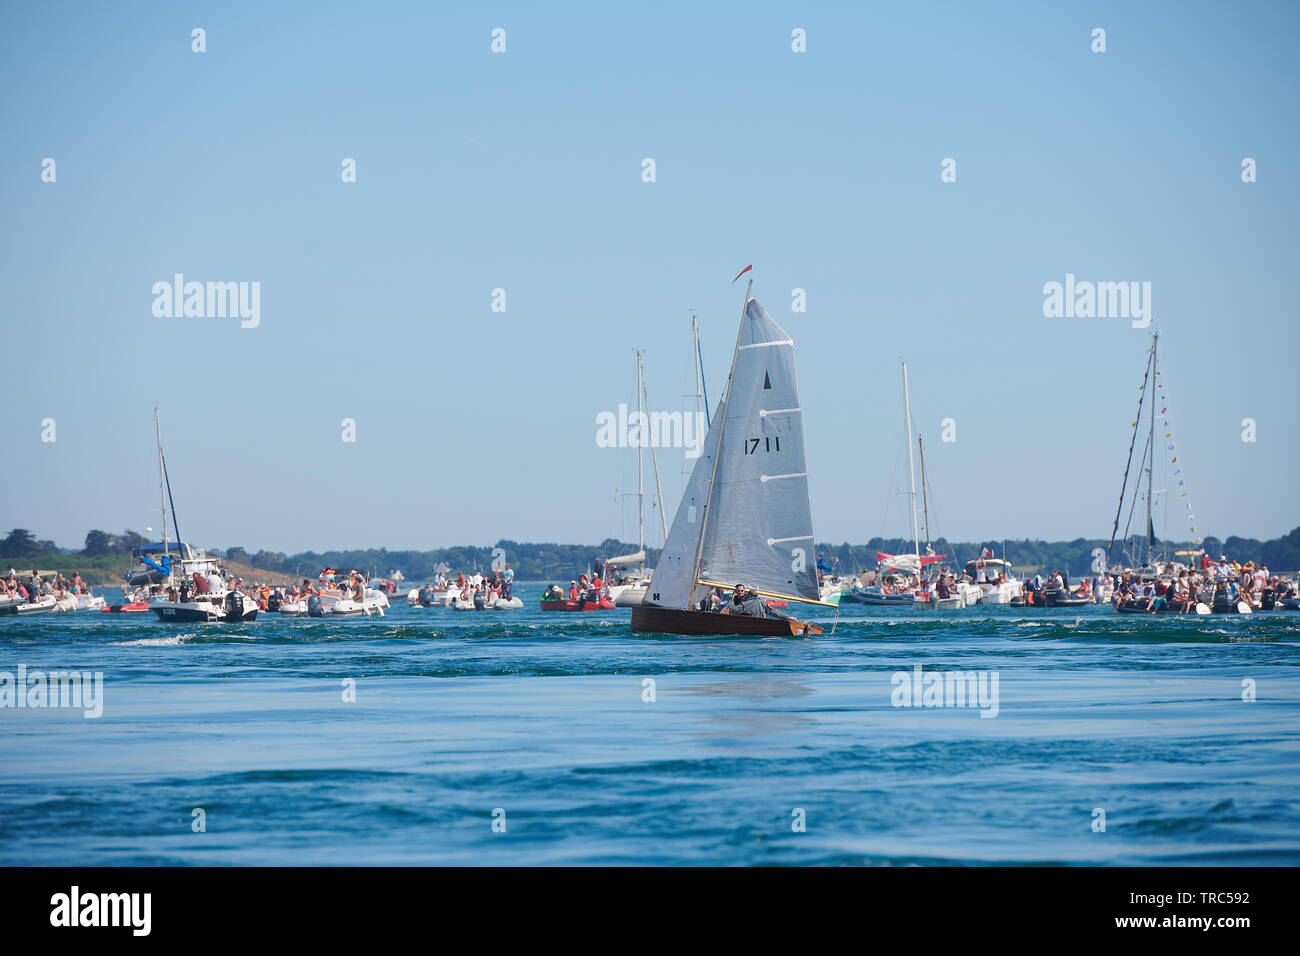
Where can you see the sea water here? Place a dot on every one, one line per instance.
(434, 736)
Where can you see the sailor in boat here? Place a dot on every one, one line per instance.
(1182, 594)
(750, 604)
(1155, 596)
(573, 590)
(1246, 581)
(712, 602)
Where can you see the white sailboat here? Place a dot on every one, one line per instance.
(744, 519)
(898, 575)
(627, 588)
(188, 600)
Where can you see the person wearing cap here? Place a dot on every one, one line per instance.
(573, 590)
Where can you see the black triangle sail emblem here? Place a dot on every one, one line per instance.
(767, 382)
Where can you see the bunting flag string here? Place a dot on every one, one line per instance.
(1190, 516)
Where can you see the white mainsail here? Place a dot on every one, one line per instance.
(745, 517)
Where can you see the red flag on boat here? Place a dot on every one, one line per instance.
(743, 271)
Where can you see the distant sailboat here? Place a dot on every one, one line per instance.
(744, 517)
(908, 566)
(628, 588)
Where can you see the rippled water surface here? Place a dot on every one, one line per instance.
(1137, 721)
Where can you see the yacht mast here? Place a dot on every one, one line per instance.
(640, 465)
(911, 465)
(924, 502)
(162, 493)
(1151, 462)
(701, 386)
(654, 460)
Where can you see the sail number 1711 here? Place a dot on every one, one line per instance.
(754, 445)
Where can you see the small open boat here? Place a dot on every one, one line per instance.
(133, 607)
(567, 605)
(876, 596)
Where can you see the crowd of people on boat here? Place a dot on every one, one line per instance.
(35, 588)
(585, 589)
(479, 589)
(1212, 583)
(939, 583)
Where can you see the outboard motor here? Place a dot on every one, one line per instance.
(1222, 601)
(478, 600)
(426, 597)
(273, 602)
(314, 607)
(235, 606)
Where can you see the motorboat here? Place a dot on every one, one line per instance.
(998, 585)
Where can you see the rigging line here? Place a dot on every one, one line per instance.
(171, 500)
(1133, 505)
(1132, 442)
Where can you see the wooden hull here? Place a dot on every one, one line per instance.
(663, 620)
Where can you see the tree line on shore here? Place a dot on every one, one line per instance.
(105, 555)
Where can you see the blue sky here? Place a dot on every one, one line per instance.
(522, 171)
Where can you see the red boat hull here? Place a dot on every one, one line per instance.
(577, 606)
(663, 620)
(134, 608)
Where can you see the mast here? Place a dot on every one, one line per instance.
(701, 386)
(1151, 462)
(1147, 379)
(162, 483)
(180, 548)
(654, 460)
(911, 466)
(722, 427)
(924, 503)
(640, 463)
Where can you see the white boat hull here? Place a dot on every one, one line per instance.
(628, 595)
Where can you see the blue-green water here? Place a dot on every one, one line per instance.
(543, 716)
